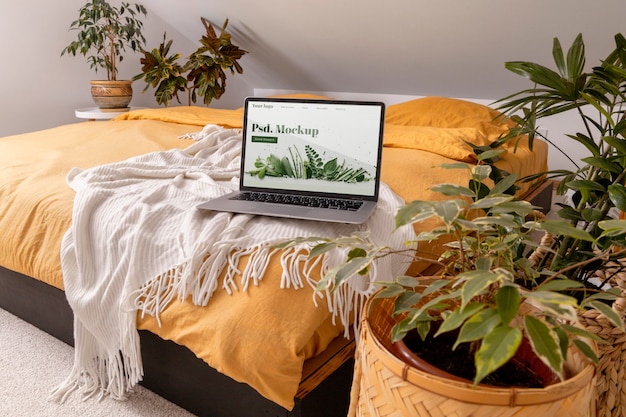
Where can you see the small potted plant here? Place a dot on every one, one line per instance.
(104, 33)
(200, 76)
(490, 296)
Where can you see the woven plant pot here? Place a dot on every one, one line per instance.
(611, 370)
(384, 386)
(611, 378)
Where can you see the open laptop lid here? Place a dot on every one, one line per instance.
(314, 147)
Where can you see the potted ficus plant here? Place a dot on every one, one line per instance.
(200, 76)
(104, 33)
(595, 187)
(490, 294)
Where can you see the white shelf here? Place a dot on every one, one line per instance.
(95, 113)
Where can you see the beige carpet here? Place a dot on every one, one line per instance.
(32, 363)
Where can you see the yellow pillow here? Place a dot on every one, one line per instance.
(445, 141)
(191, 115)
(448, 113)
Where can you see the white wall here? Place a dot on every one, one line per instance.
(41, 89)
(413, 47)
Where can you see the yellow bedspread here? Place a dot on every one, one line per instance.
(36, 206)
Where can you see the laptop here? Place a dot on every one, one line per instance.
(308, 159)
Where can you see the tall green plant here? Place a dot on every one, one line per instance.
(104, 33)
(597, 182)
(488, 279)
(201, 76)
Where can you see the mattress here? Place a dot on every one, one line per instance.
(36, 206)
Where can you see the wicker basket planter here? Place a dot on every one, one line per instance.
(611, 371)
(611, 378)
(385, 386)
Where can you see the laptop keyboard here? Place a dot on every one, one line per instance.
(298, 200)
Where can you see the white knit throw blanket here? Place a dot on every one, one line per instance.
(137, 242)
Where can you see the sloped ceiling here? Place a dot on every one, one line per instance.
(439, 47)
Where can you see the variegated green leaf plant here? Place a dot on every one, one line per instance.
(488, 289)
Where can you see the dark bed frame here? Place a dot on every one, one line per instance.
(176, 374)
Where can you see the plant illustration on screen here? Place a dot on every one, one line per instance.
(310, 167)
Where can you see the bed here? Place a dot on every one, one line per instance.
(284, 357)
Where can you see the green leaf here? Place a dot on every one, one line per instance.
(615, 234)
(544, 343)
(501, 186)
(613, 227)
(569, 213)
(608, 312)
(453, 190)
(455, 165)
(603, 164)
(579, 331)
(508, 300)
(483, 264)
(414, 212)
(390, 291)
(592, 214)
(617, 143)
(407, 281)
(476, 282)
(437, 305)
(341, 273)
(423, 328)
(481, 172)
(356, 253)
(587, 350)
(489, 202)
(560, 285)
(321, 249)
(478, 326)
(559, 58)
(576, 58)
(519, 207)
(406, 301)
(435, 286)
(458, 317)
(554, 303)
(400, 330)
(559, 227)
(490, 154)
(589, 185)
(495, 350)
(448, 210)
(488, 222)
(617, 194)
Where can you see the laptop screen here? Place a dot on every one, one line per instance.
(312, 146)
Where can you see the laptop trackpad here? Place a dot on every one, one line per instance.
(281, 210)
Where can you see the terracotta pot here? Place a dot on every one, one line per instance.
(524, 358)
(112, 95)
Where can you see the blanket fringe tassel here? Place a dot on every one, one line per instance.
(115, 374)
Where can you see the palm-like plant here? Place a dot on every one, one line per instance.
(597, 183)
(202, 75)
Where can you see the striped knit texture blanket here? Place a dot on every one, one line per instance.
(138, 242)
